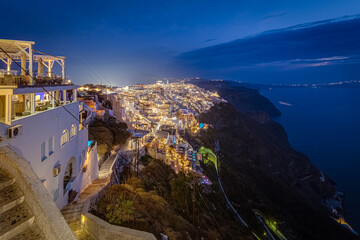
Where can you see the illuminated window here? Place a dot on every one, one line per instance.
(73, 131)
(64, 137)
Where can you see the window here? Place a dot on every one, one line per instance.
(64, 137)
(51, 145)
(43, 151)
(56, 194)
(73, 131)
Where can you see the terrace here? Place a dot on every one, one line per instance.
(17, 62)
(25, 91)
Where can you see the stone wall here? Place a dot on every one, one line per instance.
(47, 216)
(101, 230)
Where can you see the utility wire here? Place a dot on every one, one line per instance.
(203, 210)
(212, 215)
(60, 104)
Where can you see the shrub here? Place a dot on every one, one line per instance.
(121, 212)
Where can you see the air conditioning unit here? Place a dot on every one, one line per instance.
(15, 131)
(56, 170)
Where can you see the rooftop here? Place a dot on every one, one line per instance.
(18, 62)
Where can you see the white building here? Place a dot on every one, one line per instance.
(51, 137)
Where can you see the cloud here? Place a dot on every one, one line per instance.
(316, 44)
(208, 40)
(274, 15)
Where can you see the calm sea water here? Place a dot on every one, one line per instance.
(324, 123)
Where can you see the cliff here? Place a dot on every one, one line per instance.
(246, 100)
(259, 168)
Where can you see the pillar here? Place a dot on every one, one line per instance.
(50, 68)
(32, 103)
(57, 94)
(75, 94)
(23, 64)
(52, 99)
(31, 71)
(8, 69)
(8, 109)
(64, 96)
(63, 69)
(40, 68)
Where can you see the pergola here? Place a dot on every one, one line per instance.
(24, 52)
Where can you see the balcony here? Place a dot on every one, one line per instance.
(18, 60)
(25, 80)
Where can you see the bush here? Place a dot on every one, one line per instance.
(108, 135)
(121, 212)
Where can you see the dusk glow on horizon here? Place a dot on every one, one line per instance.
(147, 40)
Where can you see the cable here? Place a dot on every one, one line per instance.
(219, 228)
(60, 104)
(209, 209)
(84, 64)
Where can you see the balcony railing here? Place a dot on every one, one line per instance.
(24, 81)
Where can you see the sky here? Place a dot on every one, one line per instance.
(129, 42)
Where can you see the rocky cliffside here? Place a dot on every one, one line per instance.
(261, 171)
(246, 100)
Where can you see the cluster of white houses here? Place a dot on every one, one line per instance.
(42, 120)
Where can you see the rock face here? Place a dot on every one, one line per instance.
(260, 170)
(246, 100)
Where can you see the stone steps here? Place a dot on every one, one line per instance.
(72, 212)
(30, 233)
(10, 197)
(5, 180)
(16, 218)
(83, 235)
(15, 221)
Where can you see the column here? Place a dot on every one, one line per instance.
(23, 64)
(49, 68)
(64, 96)
(8, 109)
(57, 94)
(75, 94)
(63, 69)
(52, 99)
(31, 70)
(8, 70)
(32, 103)
(40, 68)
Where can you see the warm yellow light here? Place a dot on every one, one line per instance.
(82, 219)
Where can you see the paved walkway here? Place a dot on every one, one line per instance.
(72, 212)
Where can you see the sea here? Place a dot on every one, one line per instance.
(324, 124)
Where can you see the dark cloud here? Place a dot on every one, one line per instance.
(208, 40)
(312, 45)
(274, 15)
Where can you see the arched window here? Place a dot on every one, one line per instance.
(73, 131)
(64, 137)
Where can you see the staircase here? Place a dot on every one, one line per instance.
(17, 222)
(72, 212)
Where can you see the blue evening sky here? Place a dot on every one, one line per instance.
(126, 42)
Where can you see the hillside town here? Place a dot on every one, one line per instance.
(71, 161)
(158, 116)
(123, 162)
(161, 114)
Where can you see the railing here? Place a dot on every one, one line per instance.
(23, 81)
